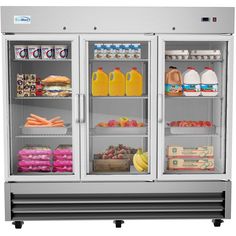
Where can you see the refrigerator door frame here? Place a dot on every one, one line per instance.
(228, 106)
(75, 109)
(84, 70)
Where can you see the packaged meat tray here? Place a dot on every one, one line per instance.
(34, 169)
(35, 150)
(179, 151)
(177, 54)
(206, 163)
(63, 149)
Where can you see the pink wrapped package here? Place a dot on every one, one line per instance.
(34, 169)
(62, 169)
(62, 163)
(35, 150)
(34, 157)
(34, 163)
(63, 150)
(62, 157)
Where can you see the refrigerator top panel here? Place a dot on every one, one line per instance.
(174, 20)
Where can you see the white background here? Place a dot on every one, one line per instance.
(131, 227)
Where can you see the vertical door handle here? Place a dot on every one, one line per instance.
(82, 108)
(160, 108)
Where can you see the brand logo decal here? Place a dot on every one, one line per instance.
(22, 19)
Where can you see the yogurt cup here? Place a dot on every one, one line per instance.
(21, 52)
(61, 51)
(34, 52)
(47, 52)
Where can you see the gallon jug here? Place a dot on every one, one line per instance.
(116, 83)
(173, 82)
(191, 79)
(209, 82)
(134, 83)
(100, 83)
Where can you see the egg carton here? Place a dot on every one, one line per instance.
(205, 54)
(176, 54)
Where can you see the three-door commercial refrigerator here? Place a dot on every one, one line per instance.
(117, 113)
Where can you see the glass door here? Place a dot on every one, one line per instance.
(118, 96)
(194, 78)
(41, 87)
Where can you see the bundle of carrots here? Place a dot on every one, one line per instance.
(38, 121)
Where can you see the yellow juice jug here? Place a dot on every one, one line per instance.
(100, 83)
(116, 83)
(134, 83)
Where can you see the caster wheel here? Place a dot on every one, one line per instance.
(118, 223)
(217, 222)
(18, 224)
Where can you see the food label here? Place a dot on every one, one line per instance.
(209, 87)
(173, 88)
(191, 87)
(22, 20)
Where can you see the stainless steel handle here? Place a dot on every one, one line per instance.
(82, 108)
(160, 108)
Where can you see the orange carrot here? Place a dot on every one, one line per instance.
(55, 119)
(58, 121)
(41, 119)
(58, 125)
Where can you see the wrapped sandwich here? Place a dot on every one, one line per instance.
(56, 86)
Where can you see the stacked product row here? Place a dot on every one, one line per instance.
(193, 54)
(190, 159)
(43, 159)
(29, 85)
(46, 52)
(116, 83)
(117, 51)
(191, 83)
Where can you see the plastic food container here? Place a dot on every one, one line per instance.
(47, 52)
(205, 54)
(192, 130)
(120, 130)
(176, 54)
(34, 52)
(21, 52)
(61, 51)
(44, 130)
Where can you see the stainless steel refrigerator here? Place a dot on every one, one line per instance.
(98, 119)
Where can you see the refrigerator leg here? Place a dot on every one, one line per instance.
(18, 224)
(217, 222)
(118, 223)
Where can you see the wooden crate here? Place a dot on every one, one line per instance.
(111, 165)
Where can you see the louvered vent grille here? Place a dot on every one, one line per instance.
(118, 206)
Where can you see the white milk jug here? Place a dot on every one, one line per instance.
(191, 82)
(209, 82)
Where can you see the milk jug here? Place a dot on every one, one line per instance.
(134, 83)
(116, 83)
(100, 83)
(191, 82)
(209, 82)
(173, 82)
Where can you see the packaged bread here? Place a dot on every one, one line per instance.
(56, 79)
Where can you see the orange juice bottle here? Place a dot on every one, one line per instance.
(134, 83)
(116, 83)
(100, 83)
